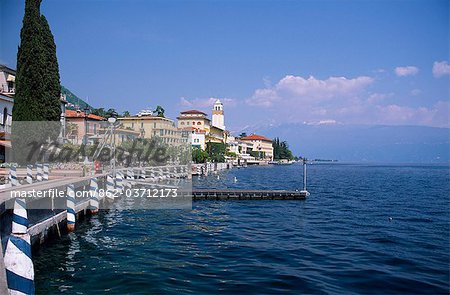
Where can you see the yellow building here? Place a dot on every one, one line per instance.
(216, 135)
(194, 120)
(152, 126)
(261, 145)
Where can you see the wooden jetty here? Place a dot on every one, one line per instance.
(235, 194)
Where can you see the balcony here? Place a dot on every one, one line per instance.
(7, 89)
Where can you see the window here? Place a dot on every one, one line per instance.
(182, 123)
(132, 125)
(154, 125)
(161, 132)
(95, 128)
(199, 123)
(142, 124)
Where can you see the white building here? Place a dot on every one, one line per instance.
(198, 140)
(7, 91)
(218, 118)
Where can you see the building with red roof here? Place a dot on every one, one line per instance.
(80, 127)
(261, 144)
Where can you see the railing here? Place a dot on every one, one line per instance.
(6, 89)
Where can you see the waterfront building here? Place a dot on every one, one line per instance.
(193, 120)
(150, 126)
(121, 134)
(260, 144)
(201, 129)
(198, 140)
(82, 128)
(7, 92)
(216, 135)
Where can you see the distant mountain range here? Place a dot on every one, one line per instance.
(363, 143)
(74, 102)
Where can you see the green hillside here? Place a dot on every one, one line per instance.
(74, 102)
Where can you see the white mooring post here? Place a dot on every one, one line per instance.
(110, 187)
(305, 161)
(46, 170)
(93, 202)
(39, 172)
(70, 202)
(18, 262)
(29, 174)
(119, 182)
(13, 176)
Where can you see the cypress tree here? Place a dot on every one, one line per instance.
(52, 84)
(37, 83)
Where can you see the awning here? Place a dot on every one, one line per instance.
(11, 78)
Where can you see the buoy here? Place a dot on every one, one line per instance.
(18, 262)
(93, 202)
(29, 174)
(235, 179)
(70, 202)
(45, 171)
(218, 177)
(390, 218)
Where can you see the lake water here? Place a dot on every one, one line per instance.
(364, 229)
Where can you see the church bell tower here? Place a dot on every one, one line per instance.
(218, 119)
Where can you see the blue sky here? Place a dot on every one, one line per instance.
(271, 62)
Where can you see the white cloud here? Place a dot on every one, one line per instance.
(339, 99)
(437, 115)
(406, 71)
(308, 90)
(441, 68)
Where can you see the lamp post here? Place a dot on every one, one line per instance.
(112, 121)
(85, 139)
(86, 115)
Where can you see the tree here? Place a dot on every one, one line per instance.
(38, 87)
(159, 111)
(281, 150)
(243, 134)
(216, 151)
(99, 112)
(199, 155)
(111, 113)
(52, 88)
(126, 114)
